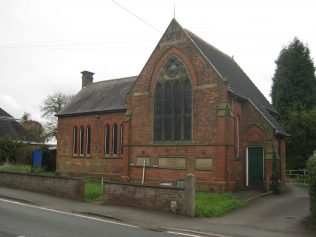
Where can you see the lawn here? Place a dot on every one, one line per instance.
(92, 189)
(216, 204)
(24, 169)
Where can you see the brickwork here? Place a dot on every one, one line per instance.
(97, 163)
(159, 198)
(214, 128)
(59, 186)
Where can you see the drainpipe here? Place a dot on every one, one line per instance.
(144, 166)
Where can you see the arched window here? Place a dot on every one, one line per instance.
(121, 140)
(237, 136)
(187, 111)
(75, 141)
(114, 140)
(173, 111)
(173, 103)
(81, 140)
(158, 112)
(88, 142)
(107, 140)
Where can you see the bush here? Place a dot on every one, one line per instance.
(12, 151)
(275, 186)
(311, 168)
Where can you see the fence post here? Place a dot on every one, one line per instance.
(189, 195)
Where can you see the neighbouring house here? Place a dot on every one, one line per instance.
(11, 128)
(191, 109)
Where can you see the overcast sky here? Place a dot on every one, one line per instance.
(44, 45)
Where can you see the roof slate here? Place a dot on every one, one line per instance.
(238, 82)
(13, 129)
(102, 96)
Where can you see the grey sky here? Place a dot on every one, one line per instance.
(44, 45)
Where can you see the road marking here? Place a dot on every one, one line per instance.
(183, 234)
(68, 213)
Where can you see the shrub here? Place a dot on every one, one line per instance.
(311, 168)
(12, 151)
(275, 186)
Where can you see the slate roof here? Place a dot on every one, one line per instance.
(13, 129)
(102, 96)
(238, 82)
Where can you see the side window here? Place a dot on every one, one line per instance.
(88, 142)
(114, 140)
(75, 141)
(107, 140)
(81, 139)
(121, 140)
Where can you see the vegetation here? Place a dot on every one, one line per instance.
(311, 167)
(52, 105)
(92, 189)
(293, 94)
(33, 127)
(216, 204)
(24, 169)
(12, 151)
(275, 186)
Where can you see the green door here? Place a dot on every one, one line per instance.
(255, 166)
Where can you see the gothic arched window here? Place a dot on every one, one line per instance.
(173, 103)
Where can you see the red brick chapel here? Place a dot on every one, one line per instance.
(191, 109)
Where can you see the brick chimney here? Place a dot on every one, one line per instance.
(87, 78)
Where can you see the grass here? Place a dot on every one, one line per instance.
(216, 204)
(24, 169)
(92, 190)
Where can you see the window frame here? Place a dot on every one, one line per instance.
(75, 141)
(88, 141)
(81, 141)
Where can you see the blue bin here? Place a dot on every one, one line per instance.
(37, 159)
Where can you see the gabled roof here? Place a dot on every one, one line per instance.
(238, 82)
(102, 96)
(11, 128)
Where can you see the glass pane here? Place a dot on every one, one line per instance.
(107, 140)
(158, 119)
(74, 141)
(88, 140)
(114, 139)
(187, 127)
(168, 112)
(81, 140)
(121, 140)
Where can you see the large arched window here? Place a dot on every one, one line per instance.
(173, 104)
(114, 140)
(81, 140)
(88, 142)
(107, 140)
(74, 141)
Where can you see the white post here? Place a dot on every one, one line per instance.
(144, 165)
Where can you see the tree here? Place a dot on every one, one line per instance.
(33, 127)
(51, 106)
(293, 94)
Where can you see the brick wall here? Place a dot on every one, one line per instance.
(59, 186)
(97, 163)
(160, 198)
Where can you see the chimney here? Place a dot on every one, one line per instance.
(87, 78)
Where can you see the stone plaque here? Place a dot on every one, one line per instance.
(204, 164)
(172, 163)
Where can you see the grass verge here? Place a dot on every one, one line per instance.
(92, 189)
(24, 169)
(216, 204)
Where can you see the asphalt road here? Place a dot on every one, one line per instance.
(22, 220)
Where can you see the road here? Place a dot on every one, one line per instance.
(23, 220)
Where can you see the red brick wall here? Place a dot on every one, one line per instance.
(97, 163)
(208, 138)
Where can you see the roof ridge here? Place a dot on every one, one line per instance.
(114, 79)
(207, 43)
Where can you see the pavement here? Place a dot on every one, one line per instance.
(266, 215)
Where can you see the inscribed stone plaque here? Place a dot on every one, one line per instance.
(204, 164)
(172, 163)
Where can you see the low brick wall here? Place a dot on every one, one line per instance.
(160, 198)
(59, 186)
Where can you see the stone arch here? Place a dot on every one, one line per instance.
(162, 62)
